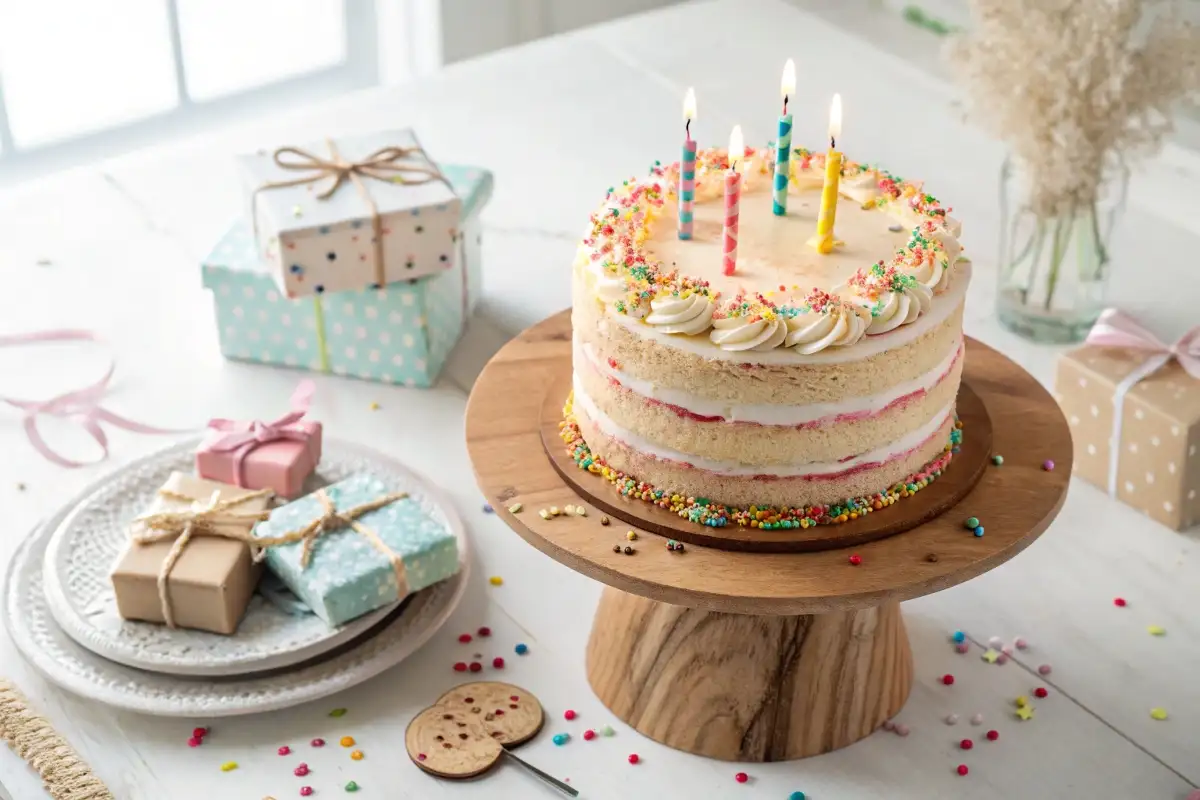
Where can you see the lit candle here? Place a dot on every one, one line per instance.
(783, 142)
(733, 197)
(824, 241)
(687, 168)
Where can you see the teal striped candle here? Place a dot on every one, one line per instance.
(687, 188)
(783, 153)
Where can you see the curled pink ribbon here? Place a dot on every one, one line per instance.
(79, 405)
(241, 438)
(1118, 329)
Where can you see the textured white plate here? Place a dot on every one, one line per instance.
(52, 652)
(84, 547)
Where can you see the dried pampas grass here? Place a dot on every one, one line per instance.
(1076, 88)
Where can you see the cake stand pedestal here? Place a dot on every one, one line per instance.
(760, 656)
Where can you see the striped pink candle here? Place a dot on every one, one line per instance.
(733, 198)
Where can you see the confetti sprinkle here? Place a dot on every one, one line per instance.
(962, 769)
(515, 508)
(1048, 465)
(1006, 650)
(616, 548)
(460, 666)
(633, 758)
(604, 520)
(902, 729)
(797, 795)
(496, 580)
(607, 730)
(521, 649)
(962, 647)
(1040, 692)
(959, 636)
(855, 560)
(580, 511)
(991, 656)
(948, 679)
(629, 550)
(1044, 669)
(284, 750)
(1022, 701)
(993, 735)
(229, 766)
(1156, 630)
(463, 638)
(338, 712)
(741, 777)
(1025, 713)
(475, 666)
(561, 738)
(21, 487)
(995, 642)
(357, 755)
(497, 663)
(544, 514)
(971, 523)
(199, 733)
(569, 715)
(351, 786)
(1158, 713)
(932, 558)
(888, 725)
(569, 508)
(1020, 643)
(966, 744)
(375, 407)
(347, 741)
(588, 735)
(487, 509)
(977, 719)
(305, 791)
(978, 532)
(1119, 602)
(318, 742)
(297, 211)
(195, 741)
(300, 771)
(997, 459)
(951, 719)
(631, 536)
(485, 631)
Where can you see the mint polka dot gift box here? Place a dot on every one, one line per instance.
(355, 546)
(399, 334)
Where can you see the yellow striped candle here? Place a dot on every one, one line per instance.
(824, 240)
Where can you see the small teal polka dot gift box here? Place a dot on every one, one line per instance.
(399, 334)
(355, 546)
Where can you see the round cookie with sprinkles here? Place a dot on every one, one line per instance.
(450, 743)
(508, 713)
(805, 388)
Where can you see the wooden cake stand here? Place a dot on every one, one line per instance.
(764, 656)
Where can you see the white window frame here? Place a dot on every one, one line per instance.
(359, 68)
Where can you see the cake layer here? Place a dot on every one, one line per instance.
(734, 486)
(765, 434)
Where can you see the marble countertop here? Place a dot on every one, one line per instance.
(115, 248)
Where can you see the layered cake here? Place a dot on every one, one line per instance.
(806, 387)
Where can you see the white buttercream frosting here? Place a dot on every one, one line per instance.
(675, 314)
(748, 333)
(894, 309)
(812, 332)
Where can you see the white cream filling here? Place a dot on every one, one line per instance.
(734, 469)
(942, 307)
(767, 413)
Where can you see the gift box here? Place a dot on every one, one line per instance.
(211, 582)
(277, 455)
(1135, 419)
(400, 334)
(355, 546)
(351, 213)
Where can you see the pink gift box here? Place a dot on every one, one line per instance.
(276, 455)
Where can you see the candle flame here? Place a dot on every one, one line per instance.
(788, 85)
(835, 118)
(737, 148)
(689, 105)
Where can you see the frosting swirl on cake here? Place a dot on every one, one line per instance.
(826, 321)
(687, 314)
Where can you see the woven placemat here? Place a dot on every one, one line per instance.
(33, 738)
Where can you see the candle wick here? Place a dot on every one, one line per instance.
(832, 143)
(785, 99)
(687, 128)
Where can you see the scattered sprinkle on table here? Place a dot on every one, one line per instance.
(741, 777)
(229, 766)
(561, 738)
(300, 771)
(1025, 713)
(306, 791)
(1044, 669)
(351, 786)
(990, 655)
(484, 631)
(978, 532)
(951, 719)
(475, 666)
(797, 795)
(569, 714)
(1020, 643)
(1022, 701)
(569, 509)
(604, 520)
(199, 733)
(554, 512)
(977, 719)
(997, 459)
(633, 758)
(993, 735)
(487, 508)
(631, 536)
(855, 560)
(616, 548)
(966, 744)
(588, 735)
(629, 550)
(374, 406)
(959, 636)
(947, 679)
(338, 712)
(902, 729)
(580, 511)
(496, 580)
(1048, 465)
(195, 741)
(971, 523)
(1040, 692)
(463, 638)
(284, 750)
(962, 647)
(1158, 713)
(1156, 630)
(460, 666)
(932, 558)
(1119, 602)
(318, 742)
(357, 755)
(521, 649)
(347, 741)
(607, 730)
(888, 725)
(962, 769)
(515, 508)
(497, 663)
(544, 514)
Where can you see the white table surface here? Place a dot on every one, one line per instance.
(558, 121)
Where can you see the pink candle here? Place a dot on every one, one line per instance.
(733, 197)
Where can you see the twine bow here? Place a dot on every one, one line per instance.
(242, 438)
(332, 520)
(211, 517)
(391, 164)
(1117, 329)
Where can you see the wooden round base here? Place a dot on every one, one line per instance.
(752, 655)
(955, 483)
(748, 688)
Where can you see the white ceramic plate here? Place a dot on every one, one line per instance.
(84, 546)
(60, 659)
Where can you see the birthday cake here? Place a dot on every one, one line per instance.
(793, 385)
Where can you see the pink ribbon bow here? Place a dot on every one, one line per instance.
(1118, 329)
(241, 438)
(80, 405)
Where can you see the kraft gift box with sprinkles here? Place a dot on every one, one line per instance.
(350, 213)
(400, 334)
(356, 546)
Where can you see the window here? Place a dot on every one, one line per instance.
(82, 79)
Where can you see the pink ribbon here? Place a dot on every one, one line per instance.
(80, 405)
(1118, 329)
(242, 438)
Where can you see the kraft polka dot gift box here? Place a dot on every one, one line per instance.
(356, 546)
(351, 213)
(400, 334)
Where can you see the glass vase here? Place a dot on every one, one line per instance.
(1054, 269)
